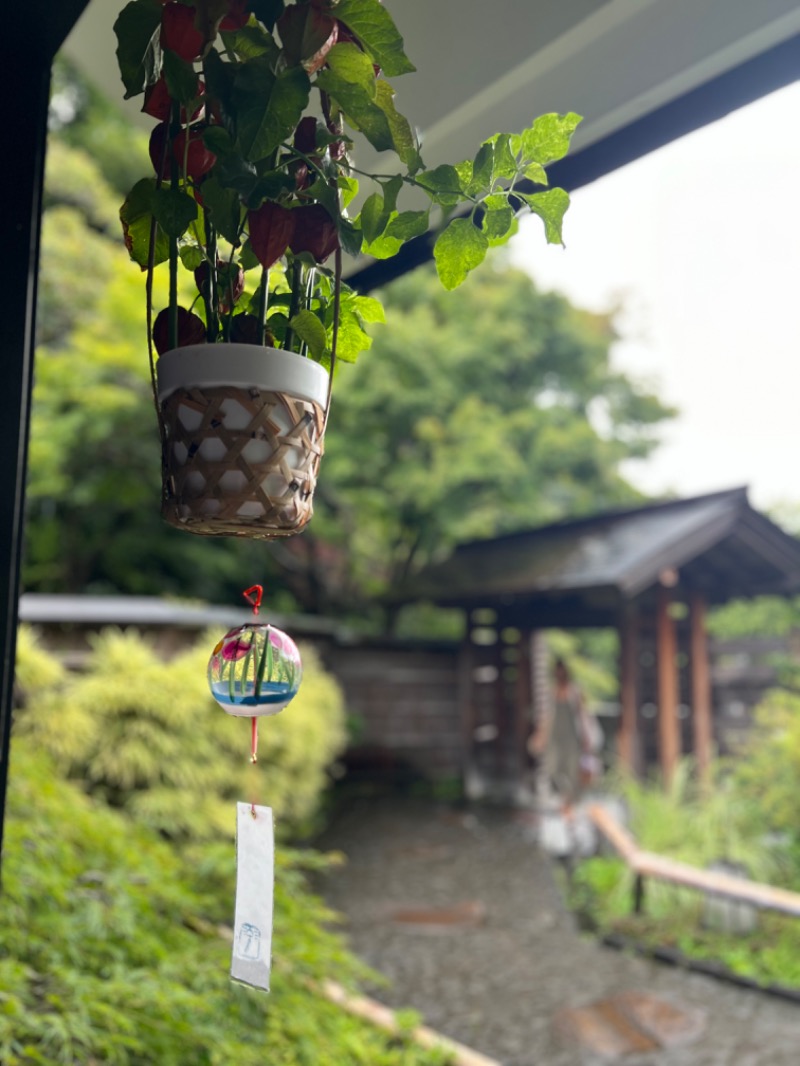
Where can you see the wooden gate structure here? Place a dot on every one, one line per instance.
(651, 573)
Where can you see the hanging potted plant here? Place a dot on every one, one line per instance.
(249, 210)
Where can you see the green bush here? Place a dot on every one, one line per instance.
(145, 735)
(110, 948)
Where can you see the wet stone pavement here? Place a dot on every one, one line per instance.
(461, 912)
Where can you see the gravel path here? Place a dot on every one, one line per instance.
(498, 984)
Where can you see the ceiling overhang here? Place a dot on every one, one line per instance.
(641, 72)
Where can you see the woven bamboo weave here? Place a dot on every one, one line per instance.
(256, 480)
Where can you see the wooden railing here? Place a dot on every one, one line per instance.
(645, 864)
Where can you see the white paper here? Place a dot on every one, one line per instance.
(255, 871)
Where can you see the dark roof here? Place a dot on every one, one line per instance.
(718, 544)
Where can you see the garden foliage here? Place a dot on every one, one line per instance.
(143, 734)
(112, 947)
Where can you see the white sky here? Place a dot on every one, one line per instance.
(701, 243)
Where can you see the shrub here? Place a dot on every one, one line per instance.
(110, 951)
(145, 735)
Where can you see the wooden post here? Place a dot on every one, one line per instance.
(466, 662)
(701, 686)
(523, 700)
(669, 742)
(627, 744)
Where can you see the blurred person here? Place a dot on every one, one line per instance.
(566, 741)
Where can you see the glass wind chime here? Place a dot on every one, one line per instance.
(254, 671)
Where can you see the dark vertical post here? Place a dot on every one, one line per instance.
(701, 687)
(24, 127)
(523, 704)
(666, 648)
(627, 746)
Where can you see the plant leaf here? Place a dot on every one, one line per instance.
(225, 209)
(138, 50)
(535, 172)
(174, 210)
(262, 129)
(375, 29)
(550, 206)
(504, 164)
(360, 110)
(442, 184)
(136, 215)
(498, 225)
(349, 63)
(373, 217)
(311, 331)
(548, 139)
(349, 236)
(402, 227)
(191, 256)
(482, 170)
(251, 41)
(370, 309)
(458, 249)
(403, 140)
(391, 190)
(348, 187)
(180, 78)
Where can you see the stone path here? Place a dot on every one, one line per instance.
(462, 914)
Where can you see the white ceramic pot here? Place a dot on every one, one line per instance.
(243, 428)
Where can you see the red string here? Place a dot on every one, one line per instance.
(253, 595)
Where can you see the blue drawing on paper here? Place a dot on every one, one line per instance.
(248, 944)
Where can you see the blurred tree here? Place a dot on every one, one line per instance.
(477, 412)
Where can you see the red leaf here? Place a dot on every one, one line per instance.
(191, 330)
(314, 231)
(271, 228)
(179, 33)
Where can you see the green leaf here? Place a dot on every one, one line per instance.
(269, 107)
(550, 206)
(352, 339)
(504, 164)
(391, 190)
(225, 209)
(403, 140)
(401, 228)
(348, 187)
(373, 217)
(442, 184)
(136, 215)
(370, 309)
(373, 26)
(349, 236)
(174, 211)
(458, 249)
(138, 49)
(251, 41)
(482, 170)
(360, 110)
(311, 331)
(498, 225)
(180, 78)
(191, 256)
(548, 139)
(218, 140)
(248, 260)
(535, 172)
(349, 63)
(464, 171)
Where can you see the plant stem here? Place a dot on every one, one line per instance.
(175, 121)
(263, 302)
(294, 307)
(212, 301)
